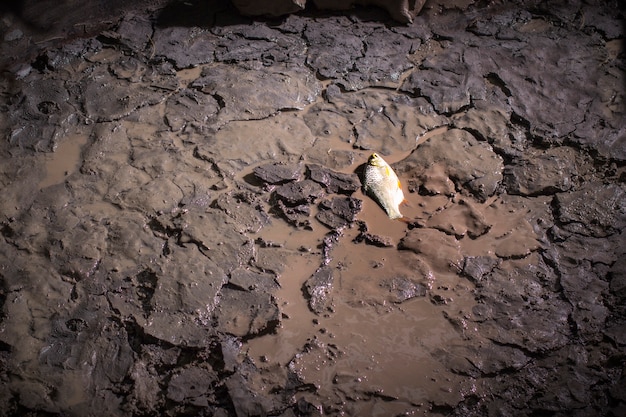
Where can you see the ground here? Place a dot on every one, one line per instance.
(183, 230)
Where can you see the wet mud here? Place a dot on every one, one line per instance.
(184, 231)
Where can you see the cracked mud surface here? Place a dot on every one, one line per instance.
(183, 230)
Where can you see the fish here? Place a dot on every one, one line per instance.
(382, 184)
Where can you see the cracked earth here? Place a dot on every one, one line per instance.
(183, 230)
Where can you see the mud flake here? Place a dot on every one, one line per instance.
(283, 136)
(595, 210)
(255, 94)
(185, 46)
(249, 280)
(318, 289)
(461, 219)
(106, 99)
(518, 243)
(156, 196)
(334, 182)
(299, 192)
(244, 208)
(470, 164)
(554, 170)
(191, 386)
(440, 251)
(41, 115)
(190, 108)
(338, 212)
(334, 48)
(477, 267)
(246, 314)
(278, 173)
(448, 82)
(394, 123)
(372, 239)
(402, 288)
(217, 236)
(618, 278)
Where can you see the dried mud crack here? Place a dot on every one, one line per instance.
(183, 231)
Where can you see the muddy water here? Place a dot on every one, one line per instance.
(372, 341)
(64, 161)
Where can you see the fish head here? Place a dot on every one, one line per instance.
(376, 160)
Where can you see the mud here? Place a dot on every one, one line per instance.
(183, 230)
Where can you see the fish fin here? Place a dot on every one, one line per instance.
(405, 219)
(406, 203)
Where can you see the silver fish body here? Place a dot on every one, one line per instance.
(382, 184)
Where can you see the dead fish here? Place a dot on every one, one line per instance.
(383, 185)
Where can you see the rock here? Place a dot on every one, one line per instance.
(338, 212)
(278, 173)
(318, 290)
(470, 164)
(335, 182)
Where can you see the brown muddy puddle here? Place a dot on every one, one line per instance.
(64, 160)
(372, 341)
(373, 351)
